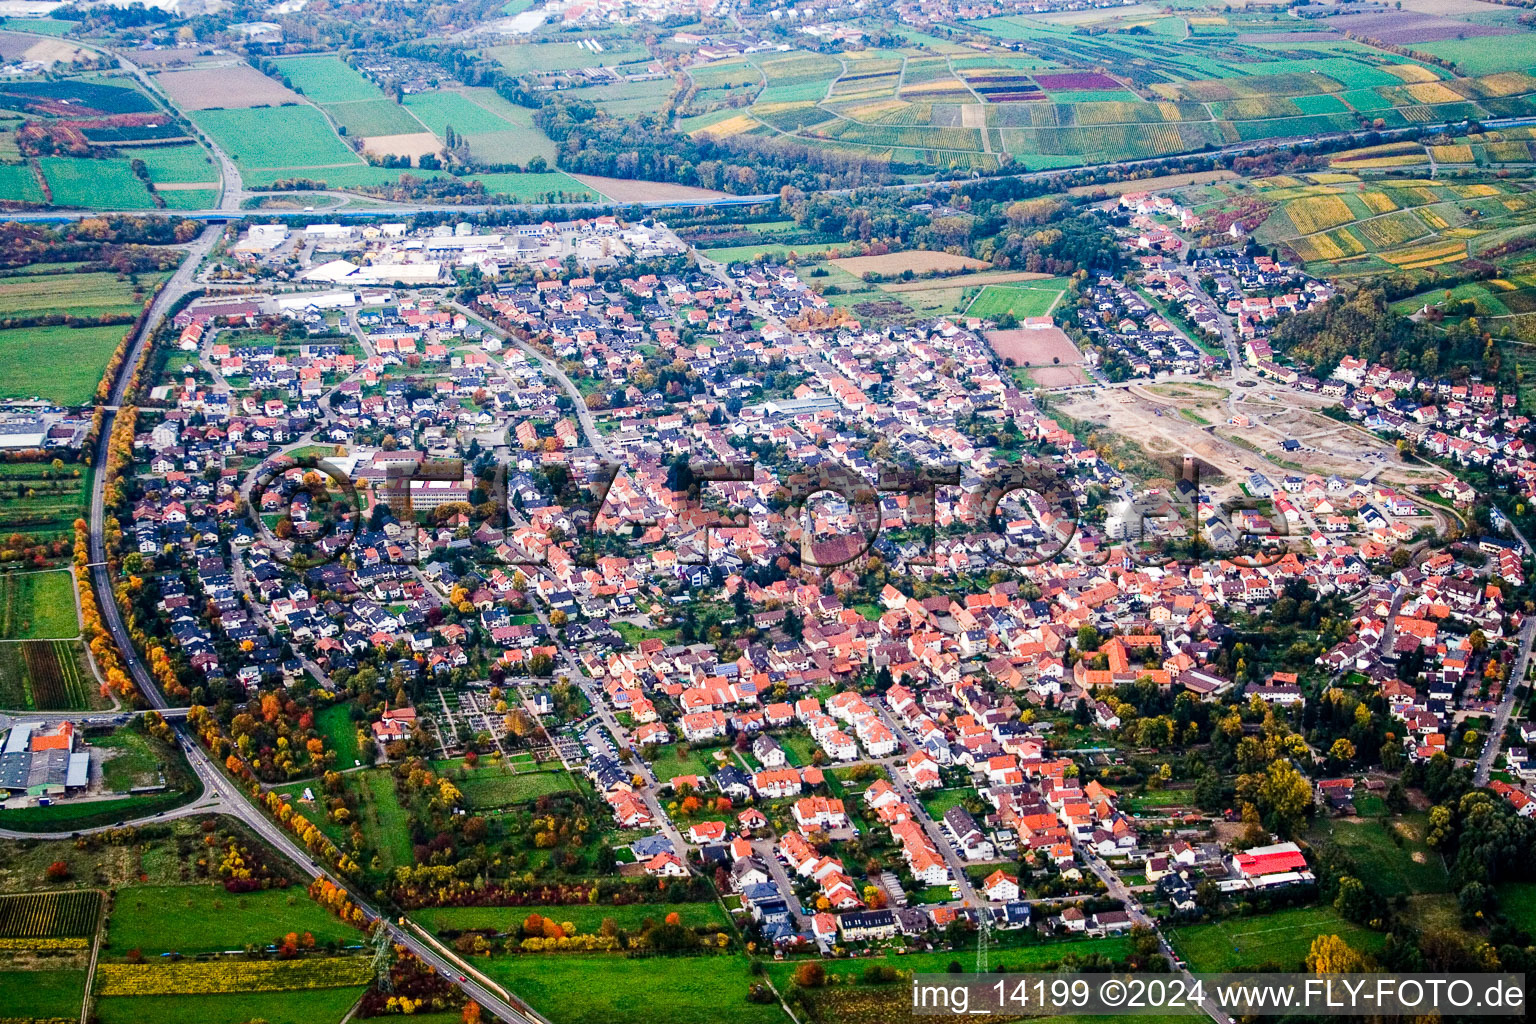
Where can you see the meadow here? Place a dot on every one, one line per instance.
(99, 184)
(38, 606)
(59, 363)
(209, 919)
(93, 294)
(340, 732)
(694, 990)
(42, 995)
(1412, 868)
(588, 918)
(489, 786)
(311, 1006)
(1281, 938)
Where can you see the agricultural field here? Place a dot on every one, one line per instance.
(37, 499)
(101, 184)
(44, 675)
(38, 605)
(1281, 938)
(50, 915)
(312, 1006)
(42, 995)
(694, 990)
(209, 919)
(30, 293)
(1347, 224)
(271, 143)
(532, 58)
(588, 918)
(496, 131)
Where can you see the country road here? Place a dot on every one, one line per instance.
(219, 793)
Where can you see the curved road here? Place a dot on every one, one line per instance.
(219, 793)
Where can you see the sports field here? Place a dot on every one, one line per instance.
(1036, 298)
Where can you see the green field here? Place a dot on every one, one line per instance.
(497, 132)
(279, 138)
(1412, 868)
(42, 994)
(61, 364)
(532, 57)
(536, 187)
(134, 763)
(773, 250)
(101, 184)
(192, 198)
(588, 918)
(488, 786)
(67, 815)
(383, 819)
(44, 675)
(209, 919)
(83, 295)
(1281, 938)
(38, 606)
(340, 732)
(1036, 298)
(690, 990)
(178, 164)
(369, 118)
(327, 80)
(18, 183)
(304, 1006)
(1517, 901)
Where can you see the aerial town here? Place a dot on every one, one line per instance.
(614, 549)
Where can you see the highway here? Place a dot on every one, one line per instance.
(228, 208)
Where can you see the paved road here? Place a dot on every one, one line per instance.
(1117, 889)
(218, 792)
(397, 210)
(1495, 741)
(583, 414)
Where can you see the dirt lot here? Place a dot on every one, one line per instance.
(413, 145)
(172, 56)
(230, 87)
(1398, 27)
(44, 51)
(1051, 377)
(919, 261)
(1117, 188)
(1169, 419)
(1045, 347)
(628, 190)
